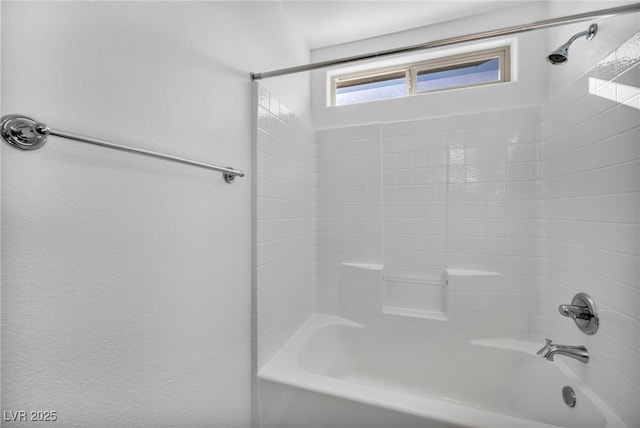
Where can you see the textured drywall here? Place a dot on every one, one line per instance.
(126, 282)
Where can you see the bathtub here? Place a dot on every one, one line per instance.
(336, 373)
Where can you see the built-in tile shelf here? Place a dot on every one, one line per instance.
(415, 313)
(366, 290)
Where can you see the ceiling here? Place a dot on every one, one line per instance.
(326, 23)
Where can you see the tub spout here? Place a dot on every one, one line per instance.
(548, 351)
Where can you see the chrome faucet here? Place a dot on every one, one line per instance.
(579, 353)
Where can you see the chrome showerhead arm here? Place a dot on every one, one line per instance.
(561, 55)
(590, 33)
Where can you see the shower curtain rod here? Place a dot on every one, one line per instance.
(547, 23)
(24, 133)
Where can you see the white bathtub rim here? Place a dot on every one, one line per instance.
(284, 368)
(395, 400)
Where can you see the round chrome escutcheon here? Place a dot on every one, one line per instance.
(22, 132)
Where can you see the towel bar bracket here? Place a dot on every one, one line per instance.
(228, 177)
(23, 133)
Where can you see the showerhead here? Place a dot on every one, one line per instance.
(561, 55)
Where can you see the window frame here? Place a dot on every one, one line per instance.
(411, 71)
(362, 77)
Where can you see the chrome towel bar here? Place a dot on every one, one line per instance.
(24, 133)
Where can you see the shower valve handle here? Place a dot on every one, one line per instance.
(575, 311)
(583, 311)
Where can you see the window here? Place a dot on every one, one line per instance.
(371, 87)
(473, 69)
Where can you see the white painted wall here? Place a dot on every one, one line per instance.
(126, 280)
(526, 88)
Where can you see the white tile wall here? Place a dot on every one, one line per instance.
(349, 217)
(457, 192)
(283, 221)
(423, 196)
(588, 221)
(551, 201)
(548, 197)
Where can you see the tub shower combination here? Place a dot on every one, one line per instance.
(374, 374)
(383, 371)
(439, 382)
